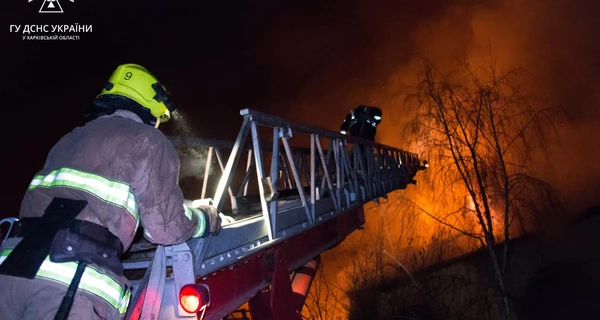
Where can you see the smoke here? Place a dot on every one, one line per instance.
(334, 57)
(193, 162)
(337, 57)
(192, 159)
(552, 41)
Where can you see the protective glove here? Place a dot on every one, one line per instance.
(212, 217)
(206, 205)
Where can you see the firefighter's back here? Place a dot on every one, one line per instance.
(102, 163)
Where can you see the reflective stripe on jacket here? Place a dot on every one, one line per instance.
(93, 281)
(113, 192)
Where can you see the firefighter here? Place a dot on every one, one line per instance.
(99, 184)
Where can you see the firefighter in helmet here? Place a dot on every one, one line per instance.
(362, 122)
(100, 183)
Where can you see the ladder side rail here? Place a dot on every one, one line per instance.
(376, 171)
(396, 166)
(320, 180)
(370, 161)
(350, 173)
(304, 168)
(416, 163)
(271, 121)
(382, 170)
(260, 179)
(346, 175)
(288, 152)
(386, 171)
(354, 168)
(399, 169)
(232, 162)
(378, 182)
(243, 190)
(326, 163)
(232, 197)
(327, 174)
(389, 174)
(275, 169)
(363, 170)
(356, 185)
(297, 158)
(286, 174)
(389, 170)
(331, 161)
(206, 172)
(313, 173)
(338, 173)
(403, 167)
(359, 173)
(347, 180)
(393, 168)
(408, 166)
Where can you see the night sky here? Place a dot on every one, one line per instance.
(294, 59)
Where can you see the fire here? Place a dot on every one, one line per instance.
(459, 29)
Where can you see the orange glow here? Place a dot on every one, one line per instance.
(517, 33)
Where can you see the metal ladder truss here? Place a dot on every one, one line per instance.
(317, 182)
(335, 173)
(296, 177)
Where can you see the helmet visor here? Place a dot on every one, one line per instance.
(163, 96)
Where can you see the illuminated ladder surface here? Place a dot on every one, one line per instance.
(304, 178)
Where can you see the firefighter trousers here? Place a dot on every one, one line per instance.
(39, 299)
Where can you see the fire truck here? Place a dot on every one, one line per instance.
(299, 192)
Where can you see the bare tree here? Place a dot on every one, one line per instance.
(325, 299)
(398, 268)
(483, 138)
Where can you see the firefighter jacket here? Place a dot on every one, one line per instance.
(128, 172)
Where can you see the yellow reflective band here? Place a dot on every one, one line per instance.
(92, 281)
(200, 223)
(114, 192)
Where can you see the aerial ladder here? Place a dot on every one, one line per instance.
(299, 193)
